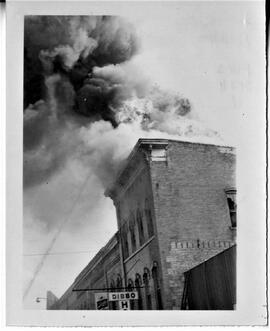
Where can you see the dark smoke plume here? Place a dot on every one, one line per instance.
(73, 47)
(77, 71)
(62, 55)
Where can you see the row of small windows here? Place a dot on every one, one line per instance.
(140, 224)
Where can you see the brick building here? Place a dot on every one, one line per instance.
(100, 273)
(175, 205)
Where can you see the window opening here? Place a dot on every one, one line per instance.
(131, 288)
(231, 200)
(138, 284)
(140, 226)
(147, 291)
(132, 234)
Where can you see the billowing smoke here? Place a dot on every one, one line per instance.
(85, 106)
(76, 48)
(85, 99)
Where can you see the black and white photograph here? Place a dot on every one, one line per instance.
(141, 125)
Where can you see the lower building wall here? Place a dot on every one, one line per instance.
(182, 256)
(139, 272)
(212, 284)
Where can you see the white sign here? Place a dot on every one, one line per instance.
(101, 300)
(116, 296)
(124, 305)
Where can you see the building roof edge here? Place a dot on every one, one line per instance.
(153, 141)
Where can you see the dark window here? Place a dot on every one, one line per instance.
(150, 223)
(119, 283)
(149, 219)
(124, 241)
(112, 304)
(131, 288)
(132, 234)
(147, 290)
(133, 239)
(231, 200)
(138, 284)
(140, 227)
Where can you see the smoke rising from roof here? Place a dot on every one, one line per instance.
(85, 99)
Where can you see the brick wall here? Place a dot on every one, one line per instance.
(191, 210)
(184, 190)
(134, 200)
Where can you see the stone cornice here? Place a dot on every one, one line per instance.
(138, 158)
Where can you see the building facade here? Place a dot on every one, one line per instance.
(176, 208)
(100, 274)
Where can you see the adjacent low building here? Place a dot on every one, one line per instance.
(176, 208)
(212, 284)
(99, 274)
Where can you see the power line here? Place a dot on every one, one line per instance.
(59, 253)
(41, 263)
(129, 289)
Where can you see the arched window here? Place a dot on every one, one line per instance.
(124, 240)
(132, 233)
(131, 288)
(138, 284)
(140, 227)
(112, 285)
(149, 218)
(148, 300)
(113, 304)
(157, 289)
(119, 283)
(130, 284)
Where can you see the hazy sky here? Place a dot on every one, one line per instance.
(209, 52)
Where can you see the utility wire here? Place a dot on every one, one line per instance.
(107, 289)
(59, 253)
(41, 263)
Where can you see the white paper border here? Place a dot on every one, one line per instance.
(251, 160)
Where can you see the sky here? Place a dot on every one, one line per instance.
(201, 52)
